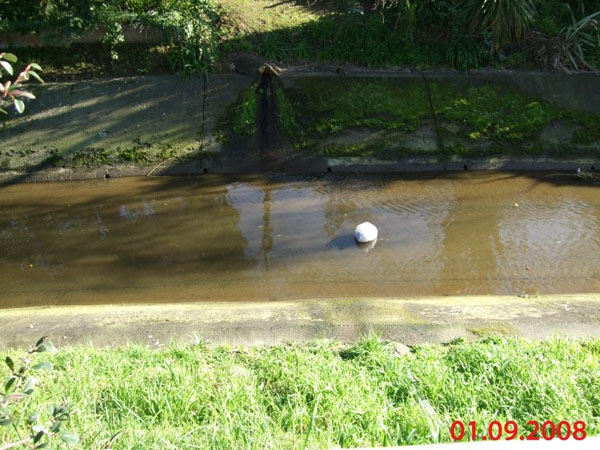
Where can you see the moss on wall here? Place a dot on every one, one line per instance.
(391, 118)
(241, 118)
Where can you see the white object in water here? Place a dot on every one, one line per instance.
(365, 232)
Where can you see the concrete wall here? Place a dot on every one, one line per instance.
(151, 120)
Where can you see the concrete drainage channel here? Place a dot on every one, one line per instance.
(410, 321)
(164, 125)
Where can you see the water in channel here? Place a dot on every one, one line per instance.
(257, 238)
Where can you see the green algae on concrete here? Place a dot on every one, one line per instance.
(391, 118)
(146, 121)
(495, 330)
(485, 120)
(411, 321)
(137, 120)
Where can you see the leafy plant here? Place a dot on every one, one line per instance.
(567, 50)
(190, 26)
(195, 39)
(575, 38)
(12, 91)
(41, 426)
(507, 20)
(464, 53)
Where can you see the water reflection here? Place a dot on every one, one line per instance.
(213, 238)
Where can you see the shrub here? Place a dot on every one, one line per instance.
(41, 426)
(12, 91)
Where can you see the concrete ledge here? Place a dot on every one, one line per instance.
(303, 166)
(410, 321)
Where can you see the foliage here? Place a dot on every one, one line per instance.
(12, 91)
(507, 20)
(575, 38)
(464, 53)
(569, 49)
(194, 34)
(322, 394)
(189, 25)
(44, 422)
(200, 34)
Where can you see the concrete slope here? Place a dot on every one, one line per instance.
(410, 321)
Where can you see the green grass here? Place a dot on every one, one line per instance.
(318, 395)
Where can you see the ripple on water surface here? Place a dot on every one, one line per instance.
(253, 238)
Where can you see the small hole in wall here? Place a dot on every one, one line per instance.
(329, 169)
(465, 167)
(106, 176)
(205, 170)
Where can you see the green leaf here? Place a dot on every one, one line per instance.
(61, 413)
(69, 438)
(43, 366)
(40, 341)
(10, 57)
(7, 67)
(36, 76)
(29, 385)
(10, 363)
(20, 93)
(5, 417)
(35, 66)
(44, 445)
(19, 105)
(55, 427)
(47, 347)
(33, 418)
(9, 383)
(38, 437)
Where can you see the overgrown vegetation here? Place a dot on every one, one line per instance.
(189, 27)
(200, 34)
(321, 395)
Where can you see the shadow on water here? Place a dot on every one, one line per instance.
(254, 237)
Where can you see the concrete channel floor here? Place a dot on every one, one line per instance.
(408, 321)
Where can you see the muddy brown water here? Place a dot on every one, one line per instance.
(255, 238)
